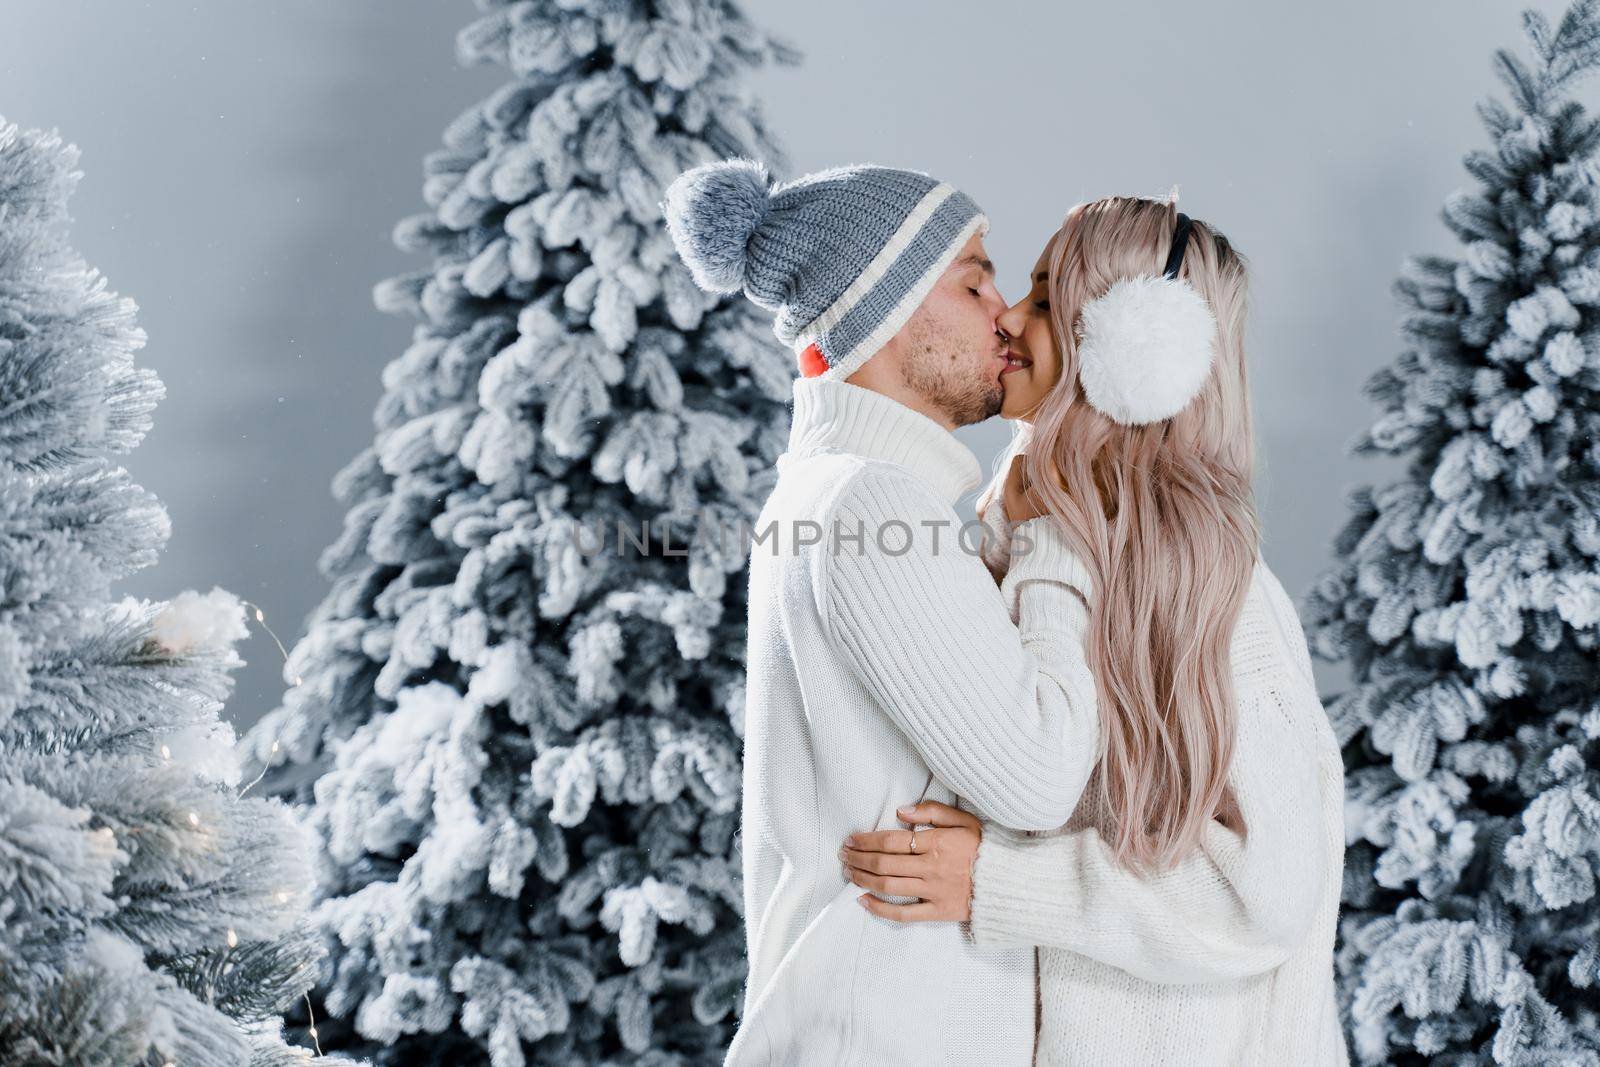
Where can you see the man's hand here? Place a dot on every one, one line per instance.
(939, 872)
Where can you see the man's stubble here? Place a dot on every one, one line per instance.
(939, 367)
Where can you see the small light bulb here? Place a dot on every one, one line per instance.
(194, 819)
(233, 938)
(166, 753)
(274, 746)
(259, 617)
(283, 898)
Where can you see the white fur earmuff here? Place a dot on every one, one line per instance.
(1145, 348)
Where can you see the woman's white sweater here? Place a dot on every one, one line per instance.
(1225, 960)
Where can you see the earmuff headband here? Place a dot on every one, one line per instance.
(1145, 346)
(1180, 241)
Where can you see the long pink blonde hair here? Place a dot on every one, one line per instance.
(1164, 517)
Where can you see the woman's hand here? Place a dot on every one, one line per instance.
(1020, 503)
(940, 871)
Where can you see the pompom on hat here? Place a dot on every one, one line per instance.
(712, 212)
(842, 257)
(1147, 344)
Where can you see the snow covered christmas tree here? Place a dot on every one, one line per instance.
(148, 914)
(525, 687)
(1467, 599)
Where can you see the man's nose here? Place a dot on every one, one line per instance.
(997, 306)
(1009, 321)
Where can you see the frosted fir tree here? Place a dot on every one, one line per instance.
(1466, 600)
(526, 686)
(149, 914)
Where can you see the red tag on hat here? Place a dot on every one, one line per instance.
(812, 361)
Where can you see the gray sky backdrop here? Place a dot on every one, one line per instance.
(245, 163)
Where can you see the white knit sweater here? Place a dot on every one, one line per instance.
(1227, 959)
(878, 676)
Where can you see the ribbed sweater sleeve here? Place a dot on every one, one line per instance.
(1004, 717)
(1237, 906)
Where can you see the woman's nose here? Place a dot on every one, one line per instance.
(1012, 320)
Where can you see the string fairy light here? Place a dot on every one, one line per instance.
(166, 752)
(281, 895)
(262, 619)
(313, 1019)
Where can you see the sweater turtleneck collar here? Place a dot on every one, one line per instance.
(837, 416)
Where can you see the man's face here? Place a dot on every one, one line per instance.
(951, 351)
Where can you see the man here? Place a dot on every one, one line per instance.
(883, 661)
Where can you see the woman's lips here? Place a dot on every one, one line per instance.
(1015, 362)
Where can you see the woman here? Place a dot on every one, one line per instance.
(1186, 914)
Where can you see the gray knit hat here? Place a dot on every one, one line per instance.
(843, 256)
